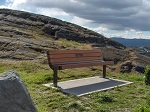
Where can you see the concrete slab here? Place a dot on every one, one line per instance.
(89, 85)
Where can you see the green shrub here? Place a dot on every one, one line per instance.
(74, 105)
(142, 108)
(106, 99)
(148, 99)
(147, 75)
(145, 107)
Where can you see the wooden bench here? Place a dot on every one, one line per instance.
(65, 59)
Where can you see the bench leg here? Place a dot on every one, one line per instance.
(55, 77)
(104, 71)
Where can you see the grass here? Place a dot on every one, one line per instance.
(129, 98)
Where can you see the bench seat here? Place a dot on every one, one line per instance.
(62, 66)
(66, 59)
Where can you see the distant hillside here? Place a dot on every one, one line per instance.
(25, 35)
(132, 42)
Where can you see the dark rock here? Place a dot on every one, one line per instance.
(97, 45)
(95, 39)
(139, 68)
(126, 67)
(14, 96)
(33, 18)
(69, 35)
(51, 29)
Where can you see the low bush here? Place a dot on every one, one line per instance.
(145, 107)
(147, 75)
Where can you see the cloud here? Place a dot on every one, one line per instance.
(115, 15)
(3, 6)
(15, 4)
(99, 29)
(129, 34)
(99, 15)
(81, 21)
(52, 12)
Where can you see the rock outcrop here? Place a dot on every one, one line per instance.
(14, 96)
(22, 31)
(139, 68)
(126, 67)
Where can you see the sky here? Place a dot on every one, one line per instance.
(111, 18)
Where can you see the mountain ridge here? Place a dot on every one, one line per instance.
(132, 42)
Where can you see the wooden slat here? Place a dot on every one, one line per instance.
(75, 55)
(72, 51)
(64, 59)
(74, 59)
(78, 65)
(65, 63)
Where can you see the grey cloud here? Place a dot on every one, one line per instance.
(62, 4)
(115, 14)
(114, 4)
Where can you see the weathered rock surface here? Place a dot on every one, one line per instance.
(139, 68)
(126, 67)
(14, 96)
(22, 31)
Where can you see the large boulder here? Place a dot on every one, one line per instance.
(14, 96)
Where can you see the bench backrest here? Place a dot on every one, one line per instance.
(66, 56)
